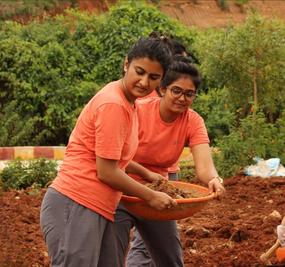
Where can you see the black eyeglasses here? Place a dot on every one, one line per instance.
(178, 92)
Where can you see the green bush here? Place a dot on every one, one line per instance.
(21, 174)
(241, 2)
(118, 29)
(254, 137)
(187, 171)
(41, 86)
(214, 107)
(49, 70)
(15, 129)
(223, 4)
(248, 59)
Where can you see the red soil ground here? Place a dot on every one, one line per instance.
(233, 231)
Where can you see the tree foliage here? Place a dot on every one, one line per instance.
(218, 114)
(249, 60)
(254, 137)
(49, 70)
(117, 30)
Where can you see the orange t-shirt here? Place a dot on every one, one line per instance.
(107, 127)
(152, 94)
(161, 143)
(175, 167)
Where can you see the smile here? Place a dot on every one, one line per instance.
(180, 105)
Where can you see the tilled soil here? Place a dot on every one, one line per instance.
(232, 231)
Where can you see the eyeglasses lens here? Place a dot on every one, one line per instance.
(177, 92)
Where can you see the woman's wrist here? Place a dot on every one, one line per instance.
(217, 178)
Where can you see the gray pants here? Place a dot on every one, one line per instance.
(138, 255)
(76, 236)
(161, 239)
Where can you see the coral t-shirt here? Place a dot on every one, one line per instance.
(175, 167)
(161, 143)
(107, 127)
(152, 94)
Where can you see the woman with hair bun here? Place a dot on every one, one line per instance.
(77, 211)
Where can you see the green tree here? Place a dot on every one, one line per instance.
(254, 137)
(214, 107)
(248, 59)
(118, 29)
(49, 70)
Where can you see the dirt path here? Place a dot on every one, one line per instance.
(233, 231)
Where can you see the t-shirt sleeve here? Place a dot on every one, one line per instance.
(111, 129)
(197, 132)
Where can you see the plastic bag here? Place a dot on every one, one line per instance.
(265, 168)
(281, 234)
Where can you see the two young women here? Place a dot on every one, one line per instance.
(78, 209)
(166, 125)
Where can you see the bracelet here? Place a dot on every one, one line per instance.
(219, 178)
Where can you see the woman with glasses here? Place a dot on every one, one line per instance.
(166, 125)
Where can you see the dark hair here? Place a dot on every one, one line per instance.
(179, 67)
(154, 48)
(179, 49)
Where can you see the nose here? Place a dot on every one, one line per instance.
(182, 98)
(145, 81)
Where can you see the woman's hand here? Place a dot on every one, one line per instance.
(161, 201)
(215, 185)
(143, 172)
(153, 176)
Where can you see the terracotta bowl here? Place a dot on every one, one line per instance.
(185, 207)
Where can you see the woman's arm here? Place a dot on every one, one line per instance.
(111, 174)
(143, 172)
(205, 168)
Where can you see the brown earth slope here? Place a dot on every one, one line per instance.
(200, 13)
(206, 13)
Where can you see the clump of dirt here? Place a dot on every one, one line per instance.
(163, 185)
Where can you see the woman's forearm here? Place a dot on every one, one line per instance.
(111, 174)
(204, 165)
(140, 170)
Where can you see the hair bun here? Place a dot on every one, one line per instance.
(154, 34)
(158, 35)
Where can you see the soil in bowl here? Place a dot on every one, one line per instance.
(163, 185)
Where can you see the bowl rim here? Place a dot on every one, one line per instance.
(180, 200)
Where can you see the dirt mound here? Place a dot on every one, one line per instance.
(207, 13)
(233, 231)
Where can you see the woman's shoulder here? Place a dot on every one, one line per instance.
(110, 90)
(111, 93)
(193, 115)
